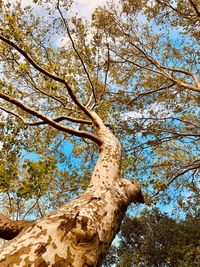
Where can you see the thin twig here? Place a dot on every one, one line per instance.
(176, 176)
(76, 51)
(48, 74)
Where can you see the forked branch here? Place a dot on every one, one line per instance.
(195, 17)
(38, 123)
(76, 50)
(191, 168)
(48, 74)
(50, 121)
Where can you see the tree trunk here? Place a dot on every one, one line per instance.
(81, 231)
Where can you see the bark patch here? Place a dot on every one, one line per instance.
(60, 262)
(67, 224)
(15, 258)
(41, 249)
(40, 262)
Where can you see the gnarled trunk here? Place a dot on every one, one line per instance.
(80, 232)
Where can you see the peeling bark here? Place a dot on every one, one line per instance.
(81, 231)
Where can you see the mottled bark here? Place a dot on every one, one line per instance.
(80, 232)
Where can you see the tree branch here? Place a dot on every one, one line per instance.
(48, 74)
(188, 122)
(161, 69)
(31, 207)
(176, 176)
(176, 133)
(14, 114)
(49, 121)
(134, 63)
(150, 92)
(186, 16)
(106, 74)
(37, 123)
(32, 82)
(76, 51)
(62, 118)
(171, 118)
(197, 82)
(195, 7)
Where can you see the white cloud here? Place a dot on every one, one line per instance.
(159, 109)
(62, 41)
(85, 7)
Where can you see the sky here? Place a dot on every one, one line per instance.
(86, 7)
(83, 7)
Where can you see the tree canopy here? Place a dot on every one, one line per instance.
(136, 64)
(155, 239)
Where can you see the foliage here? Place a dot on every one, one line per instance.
(154, 54)
(136, 65)
(30, 187)
(155, 239)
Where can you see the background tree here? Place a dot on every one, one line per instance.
(155, 239)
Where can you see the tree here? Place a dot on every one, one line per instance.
(154, 239)
(52, 87)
